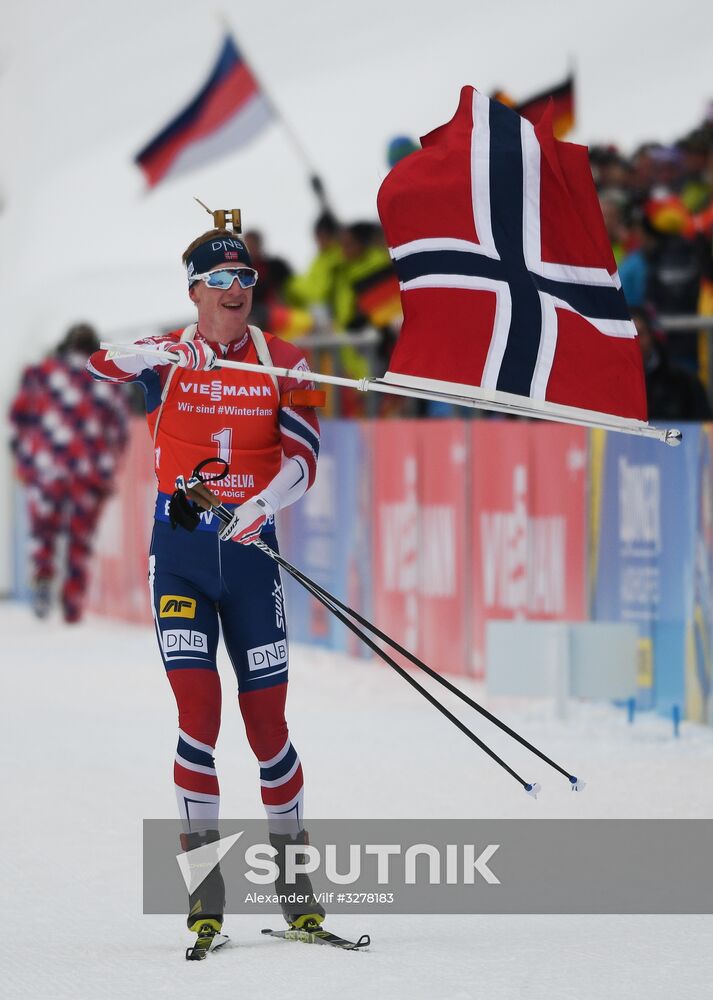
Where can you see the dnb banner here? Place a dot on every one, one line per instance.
(651, 559)
(699, 636)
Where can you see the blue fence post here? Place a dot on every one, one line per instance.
(631, 709)
(676, 716)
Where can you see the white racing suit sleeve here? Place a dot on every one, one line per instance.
(288, 486)
(133, 364)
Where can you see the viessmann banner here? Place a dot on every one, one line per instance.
(527, 513)
(419, 485)
(119, 576)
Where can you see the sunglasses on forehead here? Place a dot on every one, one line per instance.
(247, 277)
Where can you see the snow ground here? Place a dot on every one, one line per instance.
(87, 739)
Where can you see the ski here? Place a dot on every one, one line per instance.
(319, 936)
(208, 940)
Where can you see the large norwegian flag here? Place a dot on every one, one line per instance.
(228, 111)
(509, 287)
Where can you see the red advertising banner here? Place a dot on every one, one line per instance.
(558, 538)
(419, 556)
(528, 525)
(499, 490)
(119, 573)
(442, 549)
(395, 529)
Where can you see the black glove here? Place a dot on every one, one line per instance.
(182, 511)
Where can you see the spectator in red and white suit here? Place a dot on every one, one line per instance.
(68, 432)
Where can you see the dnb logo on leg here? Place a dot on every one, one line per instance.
(272, 654)
(184, 640)
(175, 606)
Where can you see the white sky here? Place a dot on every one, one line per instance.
(85, 83)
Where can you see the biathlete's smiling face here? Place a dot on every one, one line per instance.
(222, 312)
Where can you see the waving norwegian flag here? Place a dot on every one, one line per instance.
(509, 287)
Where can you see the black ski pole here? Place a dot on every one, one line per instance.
(532, 788)
(576, 784)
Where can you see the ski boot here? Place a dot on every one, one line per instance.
(72, 601)
(207, 901)
(41, 596)
(71, 612)
(305, 915)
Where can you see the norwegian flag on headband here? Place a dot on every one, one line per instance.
(508, 282)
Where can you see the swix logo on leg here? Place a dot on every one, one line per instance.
(279, 613)
(270, 655)
(175, 606)
(183, 640)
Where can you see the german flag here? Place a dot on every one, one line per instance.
(562, 97)
(379, 297)
(668, 214)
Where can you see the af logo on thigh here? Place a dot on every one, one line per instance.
(175, 606)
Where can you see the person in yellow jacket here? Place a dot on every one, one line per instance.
(366, 292)
(314, 290)
(350, 285)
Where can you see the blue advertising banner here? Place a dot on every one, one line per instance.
(644, 501)
(326, 535)
(699, 662)
(21, 583)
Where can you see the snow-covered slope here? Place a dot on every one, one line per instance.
(87, 739)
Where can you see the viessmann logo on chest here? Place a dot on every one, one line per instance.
(217, 390)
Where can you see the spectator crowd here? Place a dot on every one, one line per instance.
(657, 205)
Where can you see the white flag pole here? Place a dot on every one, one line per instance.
(130, 350)
(547, 411)
(557, 414)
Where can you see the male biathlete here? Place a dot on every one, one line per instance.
(266, 430)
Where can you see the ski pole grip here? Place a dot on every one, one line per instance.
(200, 494)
